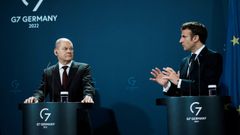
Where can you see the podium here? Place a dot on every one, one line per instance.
(51, 118)
(195, 115)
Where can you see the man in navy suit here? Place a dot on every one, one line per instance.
(196, 73)
(78, 84)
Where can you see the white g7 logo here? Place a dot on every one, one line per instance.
(196, 108)
(46, 115)
(37, 5)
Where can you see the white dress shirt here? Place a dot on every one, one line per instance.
(61, 69)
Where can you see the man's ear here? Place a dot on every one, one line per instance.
(55, 52)
(195, 38)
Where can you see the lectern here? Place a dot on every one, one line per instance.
(51, 118)
(195, 115)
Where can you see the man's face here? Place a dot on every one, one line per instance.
(187, 40)
(64, 52)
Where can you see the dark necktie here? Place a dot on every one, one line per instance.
(190, 62)
(64, 77)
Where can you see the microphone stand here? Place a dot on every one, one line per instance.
(190, 64)
(44, 85)
(53, 86)
(199, 77)
(45, 82)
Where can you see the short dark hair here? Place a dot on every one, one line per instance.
(197, 29)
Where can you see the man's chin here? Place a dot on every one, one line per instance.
(68, 60)
(185, 49)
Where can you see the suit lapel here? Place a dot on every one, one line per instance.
(199, 57)
(202, 54)
(72, 73)
(56, 76)
(191, 67)
(184, 68)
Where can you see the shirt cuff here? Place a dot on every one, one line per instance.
(179, 83)
(165, 89)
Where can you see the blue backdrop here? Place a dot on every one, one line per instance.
(122, 40)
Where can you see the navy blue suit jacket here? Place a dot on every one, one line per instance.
(205, 70)
(80, 83)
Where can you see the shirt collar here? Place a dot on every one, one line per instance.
(198, 51)
(61, 65)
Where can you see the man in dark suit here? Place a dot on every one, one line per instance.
(196, 73)
(67, 75)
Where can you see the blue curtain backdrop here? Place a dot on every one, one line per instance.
(231, 74)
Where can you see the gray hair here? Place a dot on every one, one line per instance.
(62, 40)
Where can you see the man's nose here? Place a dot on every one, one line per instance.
(180, 40)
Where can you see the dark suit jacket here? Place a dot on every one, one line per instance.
(80, 83)
(205, 70)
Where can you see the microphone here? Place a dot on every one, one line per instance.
(199, 77)
(190, 86)
(189, 77)
(190, 65)
(45, 82)
(44, 86)
(52, 86)
(54, 71)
